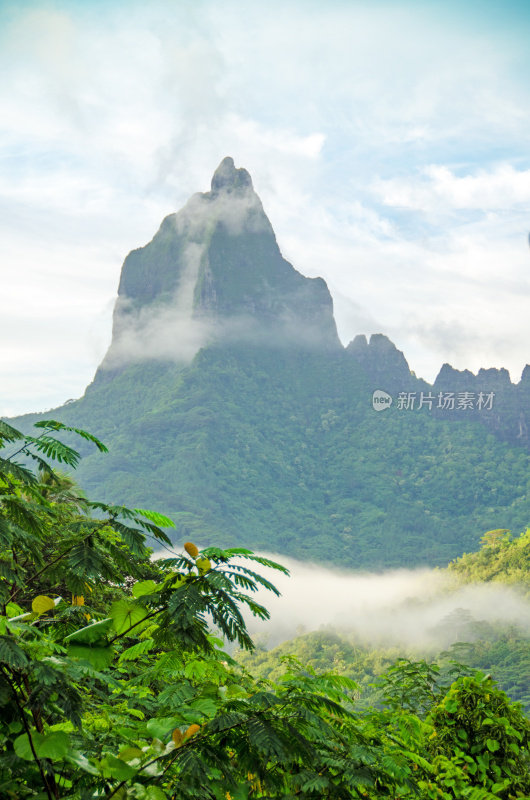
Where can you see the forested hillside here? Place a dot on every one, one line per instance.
(282, 449)
(502, 558)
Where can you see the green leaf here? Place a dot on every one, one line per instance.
(492, 745)
(86, 560)
(144, 587)
(206, 706)
(54, 746)
(155, 793)
(133, 538)
(129, 754)
(162, 727)
(8, 433)
(12, 610)
(91, 633)
(22, 746)
(315, 784)
(138, 649)
(53, 448)
(115, 768)
(154, 516)
(11, 654)
(99, 657)
(59, 426)
(125, 614)
(18, 471)
(81, 761)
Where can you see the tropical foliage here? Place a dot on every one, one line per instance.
(502, 558)
(113, 684)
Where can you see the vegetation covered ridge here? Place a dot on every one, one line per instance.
(281, 451)
(501, 558)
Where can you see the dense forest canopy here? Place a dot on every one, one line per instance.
(280, 450)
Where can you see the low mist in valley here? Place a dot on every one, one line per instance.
(421, 608)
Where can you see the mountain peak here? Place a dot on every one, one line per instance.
(380, 358)
(227, 178)
(214, 271)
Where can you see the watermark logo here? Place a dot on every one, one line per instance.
(381, 400)
(446, 401)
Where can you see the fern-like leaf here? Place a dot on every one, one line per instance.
(8, 433)
(53, 425)
(159, 519)
(11, 654)
(133, 538)
(17, 471)
(53, 448)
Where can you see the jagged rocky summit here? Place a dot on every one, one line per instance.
(212, 271)
(383, 362)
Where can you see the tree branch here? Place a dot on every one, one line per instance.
(30, 738)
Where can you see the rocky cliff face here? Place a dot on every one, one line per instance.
(383, 362)
(489, 397)
(502, 406)
(214, 270)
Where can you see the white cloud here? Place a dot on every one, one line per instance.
(439, 190)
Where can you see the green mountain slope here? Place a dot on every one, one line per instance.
(280, 450)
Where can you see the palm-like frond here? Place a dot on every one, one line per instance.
(17, 471)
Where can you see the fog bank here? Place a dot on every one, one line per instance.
(420, 607)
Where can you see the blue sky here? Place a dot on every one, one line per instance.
(389, 143)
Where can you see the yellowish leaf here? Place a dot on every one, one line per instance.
(42, 604)
(204, 565)
(192, 730)
(78, 600)
(177, 737)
